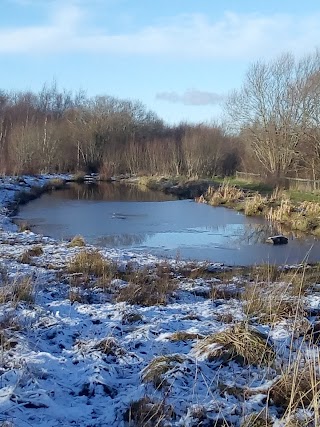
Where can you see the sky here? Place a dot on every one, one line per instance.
(180, 58)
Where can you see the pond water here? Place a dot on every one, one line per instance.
(126, 217)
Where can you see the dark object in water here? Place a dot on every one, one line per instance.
(277, 240)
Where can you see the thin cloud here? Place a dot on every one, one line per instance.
(191, 97)
(191, 36)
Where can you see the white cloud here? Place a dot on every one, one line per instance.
(191, 97)
(185, 36)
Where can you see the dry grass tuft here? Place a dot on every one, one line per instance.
(148, 413)
(131, 317)
(241, 342)
(225, 194)
(22, 289)
(255, 205)
(91, 263)
(257, 420)
(272, 302)
(147, 289)
(26, 256)
(157, 369)
(185, 336)
(298, 387)
(110, 347)
(77, 241)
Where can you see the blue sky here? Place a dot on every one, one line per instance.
(179, 57)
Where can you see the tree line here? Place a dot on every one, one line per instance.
(60, 131)
(272, 126)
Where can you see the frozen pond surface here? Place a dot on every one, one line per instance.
(126, 217)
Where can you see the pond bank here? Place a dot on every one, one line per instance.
(144, 341)
(276, 206)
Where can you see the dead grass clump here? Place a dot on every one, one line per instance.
(90, 262)
(78, 176)
(131, 317)
(3, 274)
(256, 420)
(26, 256)
(76, 295)
(147, 413)
(21, 289)
(157, 369)
(24, 226)
(280, 213)
(271, 302)
(147, 289)
(224, 292)
(298, 387)
(264, 273)
(77, 241)
(55, 184)
(226, 193)
(255, 205)
(241, 343)
(35, 251)
(110, 347)
(185, 336)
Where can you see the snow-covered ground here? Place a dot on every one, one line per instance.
(73, 355)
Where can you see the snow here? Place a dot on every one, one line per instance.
(57, 371)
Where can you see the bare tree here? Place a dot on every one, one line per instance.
(272, 110)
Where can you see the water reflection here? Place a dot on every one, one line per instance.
(121, 240)
(111, 192)
(125, 216)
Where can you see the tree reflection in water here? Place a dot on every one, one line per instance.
(121, 240)
(112, 191)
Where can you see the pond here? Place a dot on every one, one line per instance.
(123, 216)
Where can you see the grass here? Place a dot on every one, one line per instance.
(147, 412)
(157, 369)
(77, 241)
(185, 336)
(24, 226)
(255, 204)
(91, 262)
(257, 420)
(26, 256)
(110, 347)
(225, 194)
(22, 289)
(297, 387)
(241, 342)
(131, 317)
(147, 289)
(271, 303)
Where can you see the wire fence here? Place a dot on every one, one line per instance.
(301, 184)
